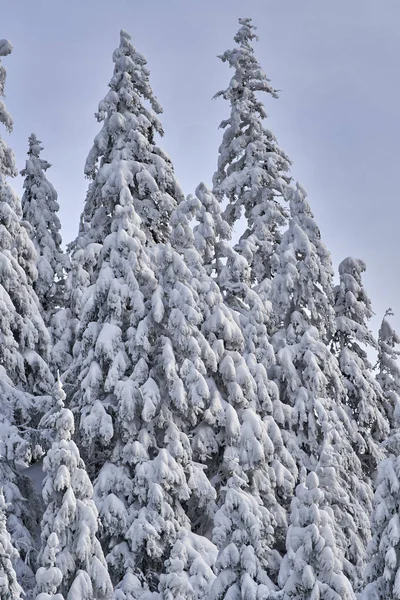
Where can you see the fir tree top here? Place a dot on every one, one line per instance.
(39, 209)
(351, 342)
(125, 148)
(252, 169)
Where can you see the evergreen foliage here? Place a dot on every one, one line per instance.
(137, 375)
(9, 586)
(389, 371)
(39, 209)
(312, 567)
(244, 453)
(303, 281)
(24, 352)
(72, 563)
(352, 340)
(320, 432)
(230, 428)
(252, 169)
(382, 573)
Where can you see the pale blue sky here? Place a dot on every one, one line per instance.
(337, 64)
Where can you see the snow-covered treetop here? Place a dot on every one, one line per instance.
(389, 369)
(252, 168)
(125, 148)
(39, 208)
(351, 341)
(352, 306)
(24, 340)
(7, 160)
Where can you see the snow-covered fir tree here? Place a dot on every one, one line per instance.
(71, 560)
(246, 459)
(389, 370)
(351, 343)
(312, 567)
(39, 209)
(252, 169)
(383, 571)
(25, 342)
(127, 135)
(137, 376)
(319, 432)
(24, 352)
(251, 178)
(9, 586)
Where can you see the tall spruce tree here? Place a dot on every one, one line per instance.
(137, 376)
(39, 209)
(71, 559)
(251, 179)
(351, 344)
(319, 432)
(383, 570)
(389, 370)
(252, 169)
(24, 352)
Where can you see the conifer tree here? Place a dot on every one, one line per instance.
(24, 352)
(252, 177)
(319, 432)
(137, 376)
(244, 453)
(312, 567)
(352, 339)
(9, 586)
(39, 209)
(252, 169)
(25, 341)
(71, 560)
(382, 573)
(389, 370)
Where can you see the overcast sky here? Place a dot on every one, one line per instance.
(337, 65)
